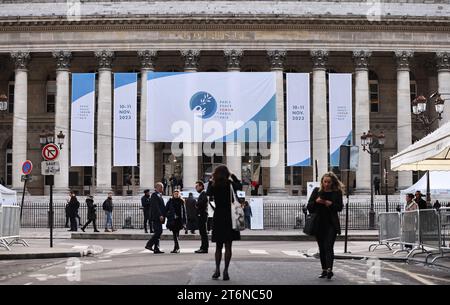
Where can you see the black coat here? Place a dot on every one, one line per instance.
(73, 206)
(176, 214)
(157, 206)
(202, 204)
(327, 216)
(108, 205)
(222, 228)
(91, 214)
(145, 201)
(421, 203)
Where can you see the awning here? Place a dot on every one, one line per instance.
(430, 153)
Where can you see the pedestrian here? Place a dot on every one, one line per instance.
(191, 214)
(248, 214)
(201, 206)
(72, 209)
(108, 208)
(91, 214)
(411, 205)
(175, 212)
(164, 182)
(173, 182)
(145, 201)
(422, 204)
(220, 187)
(67, 210)
(408, 227)
(2, 181)
(326, 202)
(157, 210)
(437, 205)
(376, 184)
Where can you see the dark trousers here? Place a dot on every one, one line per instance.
(325, 239)
(248, 221)
(73, 223)
(154, 240)
(93, 223)
(147, 219)
(202, 220)
(175, 234)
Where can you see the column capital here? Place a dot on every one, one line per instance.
(104, 59)
(443, 61)
(361, 59)
(276, 59)
(147, 59)
(191, 58)
(63, 59)
(403, 59)
(233, 58)
(319, 58)
(21, 59)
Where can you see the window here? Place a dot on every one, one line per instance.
(374, 95)
(74, 179)
(9, 164)
(11, 97)
(51, 96)
(87, 180)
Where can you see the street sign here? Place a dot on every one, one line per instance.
(24, 178)
(50, 152)
(27, 167)
(50, 168)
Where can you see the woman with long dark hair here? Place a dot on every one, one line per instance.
(222, 232)
(326, 202)
(176, 218)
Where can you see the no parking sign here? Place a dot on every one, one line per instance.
(27, 167)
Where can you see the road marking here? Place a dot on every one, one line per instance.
(433, 277)
(410, 274)
(80, 247)
(259, 252)
(293, 253)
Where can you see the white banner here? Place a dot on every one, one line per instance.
(208, 107)
(340, 113)
(298, 120)
(125, 124)
(257, 221)
(82, 119)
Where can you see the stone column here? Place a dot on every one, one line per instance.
(146, 149)
(277, 158)
(443, 68)
(104, 121)
(404, 128)
(319, 117)
(63, 59)
(191, 151)
(234, 149)
(362, 116)
(21, 60)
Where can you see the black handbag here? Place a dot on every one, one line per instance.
(310, 227)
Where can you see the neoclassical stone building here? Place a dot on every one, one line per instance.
(394, 49)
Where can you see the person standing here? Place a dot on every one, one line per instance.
(92, 215)
(175, 212)
(73, 207)
(145, 201)
(2, 182)
(67, 210)
(157, 210)
(108, 208)
(326, 202)
(376, 184)
(201, 206)
(248, 214)
(191, 214)
(164, 182)
(419, 200)
(222, 233)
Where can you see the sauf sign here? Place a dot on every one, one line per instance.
(50, 152)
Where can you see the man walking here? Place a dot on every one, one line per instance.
(202, 216)
(157, 208)
(376, 184)
(72, 208)
(108, 208)
(145, 201)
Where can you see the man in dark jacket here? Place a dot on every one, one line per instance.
(72, 208)
(145, 201)
(92, 215)
(419, 200)
(108, 208)
(191, 214)
(157, 208)
(202, 216)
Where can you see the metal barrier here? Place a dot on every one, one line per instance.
(444, 228)
(389, 229)
(10, 227)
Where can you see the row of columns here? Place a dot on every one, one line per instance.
(192, 151)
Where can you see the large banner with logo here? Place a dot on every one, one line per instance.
(125, 124)
(82, 119)
(298, 120)
(208, 107)
(340, 113)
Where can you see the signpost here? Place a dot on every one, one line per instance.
(27, 167)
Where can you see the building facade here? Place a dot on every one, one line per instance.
(394, 49)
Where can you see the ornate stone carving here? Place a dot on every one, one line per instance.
(443, 61)
(233, 58)
(403, 58)
(63, 59)
(104, 58)
(21, 59)
(361, 59)
(191, 58)
(319, 58)
(276, 58)
(147, 58)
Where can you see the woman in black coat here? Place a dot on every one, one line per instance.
(92, 215)
(222, 232)
(326, 202)
(176, 218)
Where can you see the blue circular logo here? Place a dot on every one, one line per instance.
(204, 103)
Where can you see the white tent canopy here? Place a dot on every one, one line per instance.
(7, 196)
(430, 153)
(439, 184)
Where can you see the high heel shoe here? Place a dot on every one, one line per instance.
(216, 275)
(175, 251)
(226, 277)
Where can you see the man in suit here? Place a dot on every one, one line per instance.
(145, 201)
(202, 215)
(157, 208)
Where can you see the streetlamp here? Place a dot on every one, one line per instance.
(3, 102)
(370, 146)
(44, 139)
(419, 109)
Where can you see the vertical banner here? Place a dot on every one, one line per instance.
(125, 123)
(298, 120)
(340, 113)
(257, 221)
(82, 119)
